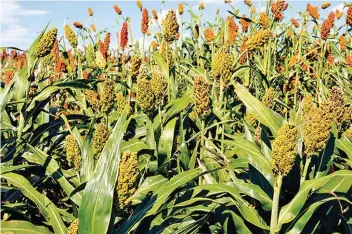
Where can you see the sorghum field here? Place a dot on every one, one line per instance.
(242, 125)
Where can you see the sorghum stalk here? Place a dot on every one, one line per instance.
(275, 207)
(282, 161)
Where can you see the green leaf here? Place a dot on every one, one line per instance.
(249, 214)
(49, 90)
(22, 227)
(255, 192)
(151, 205)
(162, 65)
(292, 209)
(345, 145)
(151, 184)
(134, 145)
(177, 105)
(53, 168)
(245, 148)
(46, 207)
(5, 95)
(298, 226)
(263, 114)
(96, 206)
(166, 142)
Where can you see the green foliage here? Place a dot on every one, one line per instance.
(251, 136)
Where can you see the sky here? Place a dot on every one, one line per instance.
(21, 21)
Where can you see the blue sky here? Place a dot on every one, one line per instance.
(22, 20)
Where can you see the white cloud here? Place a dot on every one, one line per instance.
(15, 33)
(11, 11)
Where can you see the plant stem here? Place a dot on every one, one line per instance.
(306, 166)
(275, 207)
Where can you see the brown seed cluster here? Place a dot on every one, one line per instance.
(233, 29)
(277, 9)
(244, 23)
(170, 26)
(349, 60)
(327, 25)
(124, 35)
(145, 21)
(78, 25)
(155, 14)
(209, 35)
(349, 15)
(295, 22)
(117, 9)
(264, 20)
(342, 43)
(313, 11)
(201, 97)
(325, 5)
(258, 40)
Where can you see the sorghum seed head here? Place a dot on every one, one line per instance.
(108, 96)
(209, 35)
(136, 62)
(222, 66)
(248, 2)
(92, 98)
(327, 25)
(90, 12)
(349, 15)
(201, 6)
(117, 9)
(348, 134)
(325, 5)
(139, 4)
(46, 43)
(122, 104)
(170, 26)
(155, 14)
(124, 35)
(180, 8)
(73, 152)
(264, 20)
(258, 39)
(73, 228)
(233, 29)
(277, 9)
(107, 42)
(349, 60)
(71, 36)
(127, 179)
(100, 60)
(244, 23)
(77, 25)
(93, 27)
(294, 22)
(100, 136)
(157, 84)
(145, 21)
(342, 43)
(284, 149)
(201, 97)
(269, 96)
(313, 11)
(166, 52)
(145, 95)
